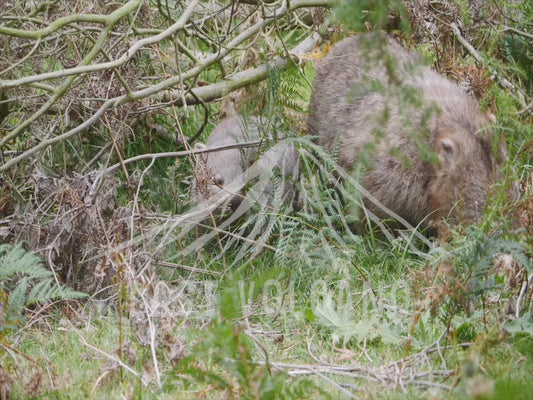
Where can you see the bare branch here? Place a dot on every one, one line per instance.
(520, 33)
(204, 94)
(155, 156)
(58, 24)
(241, 79)
(503, 81)
(82, 69)
(110, 19)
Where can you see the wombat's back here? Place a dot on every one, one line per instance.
(421, 137)
(363, 89)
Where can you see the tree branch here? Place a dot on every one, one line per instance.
(241, 79)
(503, 81)
(72, 19)
(155, 156)
(83, 69)
(163, 85)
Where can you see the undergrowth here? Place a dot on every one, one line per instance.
(25, 282)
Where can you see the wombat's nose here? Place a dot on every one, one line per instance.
(235, 202)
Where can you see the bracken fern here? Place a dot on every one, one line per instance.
(24, 281)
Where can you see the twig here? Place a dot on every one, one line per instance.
(187, 268)
(155, 156)
(523, 291)
(111, 357)
(503, 81)
(153, 337)
(9, 348)
(335, 384)
(96, 157)
(525, 109)
(365, 352)
(309, 341)
(383, 376)
(520, 33)
(14, 65)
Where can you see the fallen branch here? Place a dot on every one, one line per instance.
(376, 375)
(519, 33)
(385, 375)
(506, 84)
(239, 80)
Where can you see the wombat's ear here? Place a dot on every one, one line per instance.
(201, 146)
(446, 151)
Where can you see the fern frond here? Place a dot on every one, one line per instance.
(25, 281)
(14, 260)
(16, 300)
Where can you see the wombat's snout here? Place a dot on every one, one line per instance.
(235, 202)
(232, 172)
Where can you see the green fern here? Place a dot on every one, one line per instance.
(289, 91)
(518, 52)
(475, 258)
(24, 281)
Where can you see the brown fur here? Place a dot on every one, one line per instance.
(427, 161)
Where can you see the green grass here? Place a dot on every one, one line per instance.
(287, 318)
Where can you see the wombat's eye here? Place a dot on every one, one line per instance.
(219, 181)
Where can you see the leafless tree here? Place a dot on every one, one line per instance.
(85, 68)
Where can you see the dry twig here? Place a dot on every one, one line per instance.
(506, 84)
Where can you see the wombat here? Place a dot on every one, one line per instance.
(274, 175)
(234, 169)
(425, 148)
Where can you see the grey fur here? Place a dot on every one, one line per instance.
(281, 159)
(358, 106)
(234, 169)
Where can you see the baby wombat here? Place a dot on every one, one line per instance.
(232, 170)
(424, 146)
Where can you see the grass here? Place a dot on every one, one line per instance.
(321, 332)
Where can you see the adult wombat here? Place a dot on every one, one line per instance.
(234, 170)
(425, 148)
